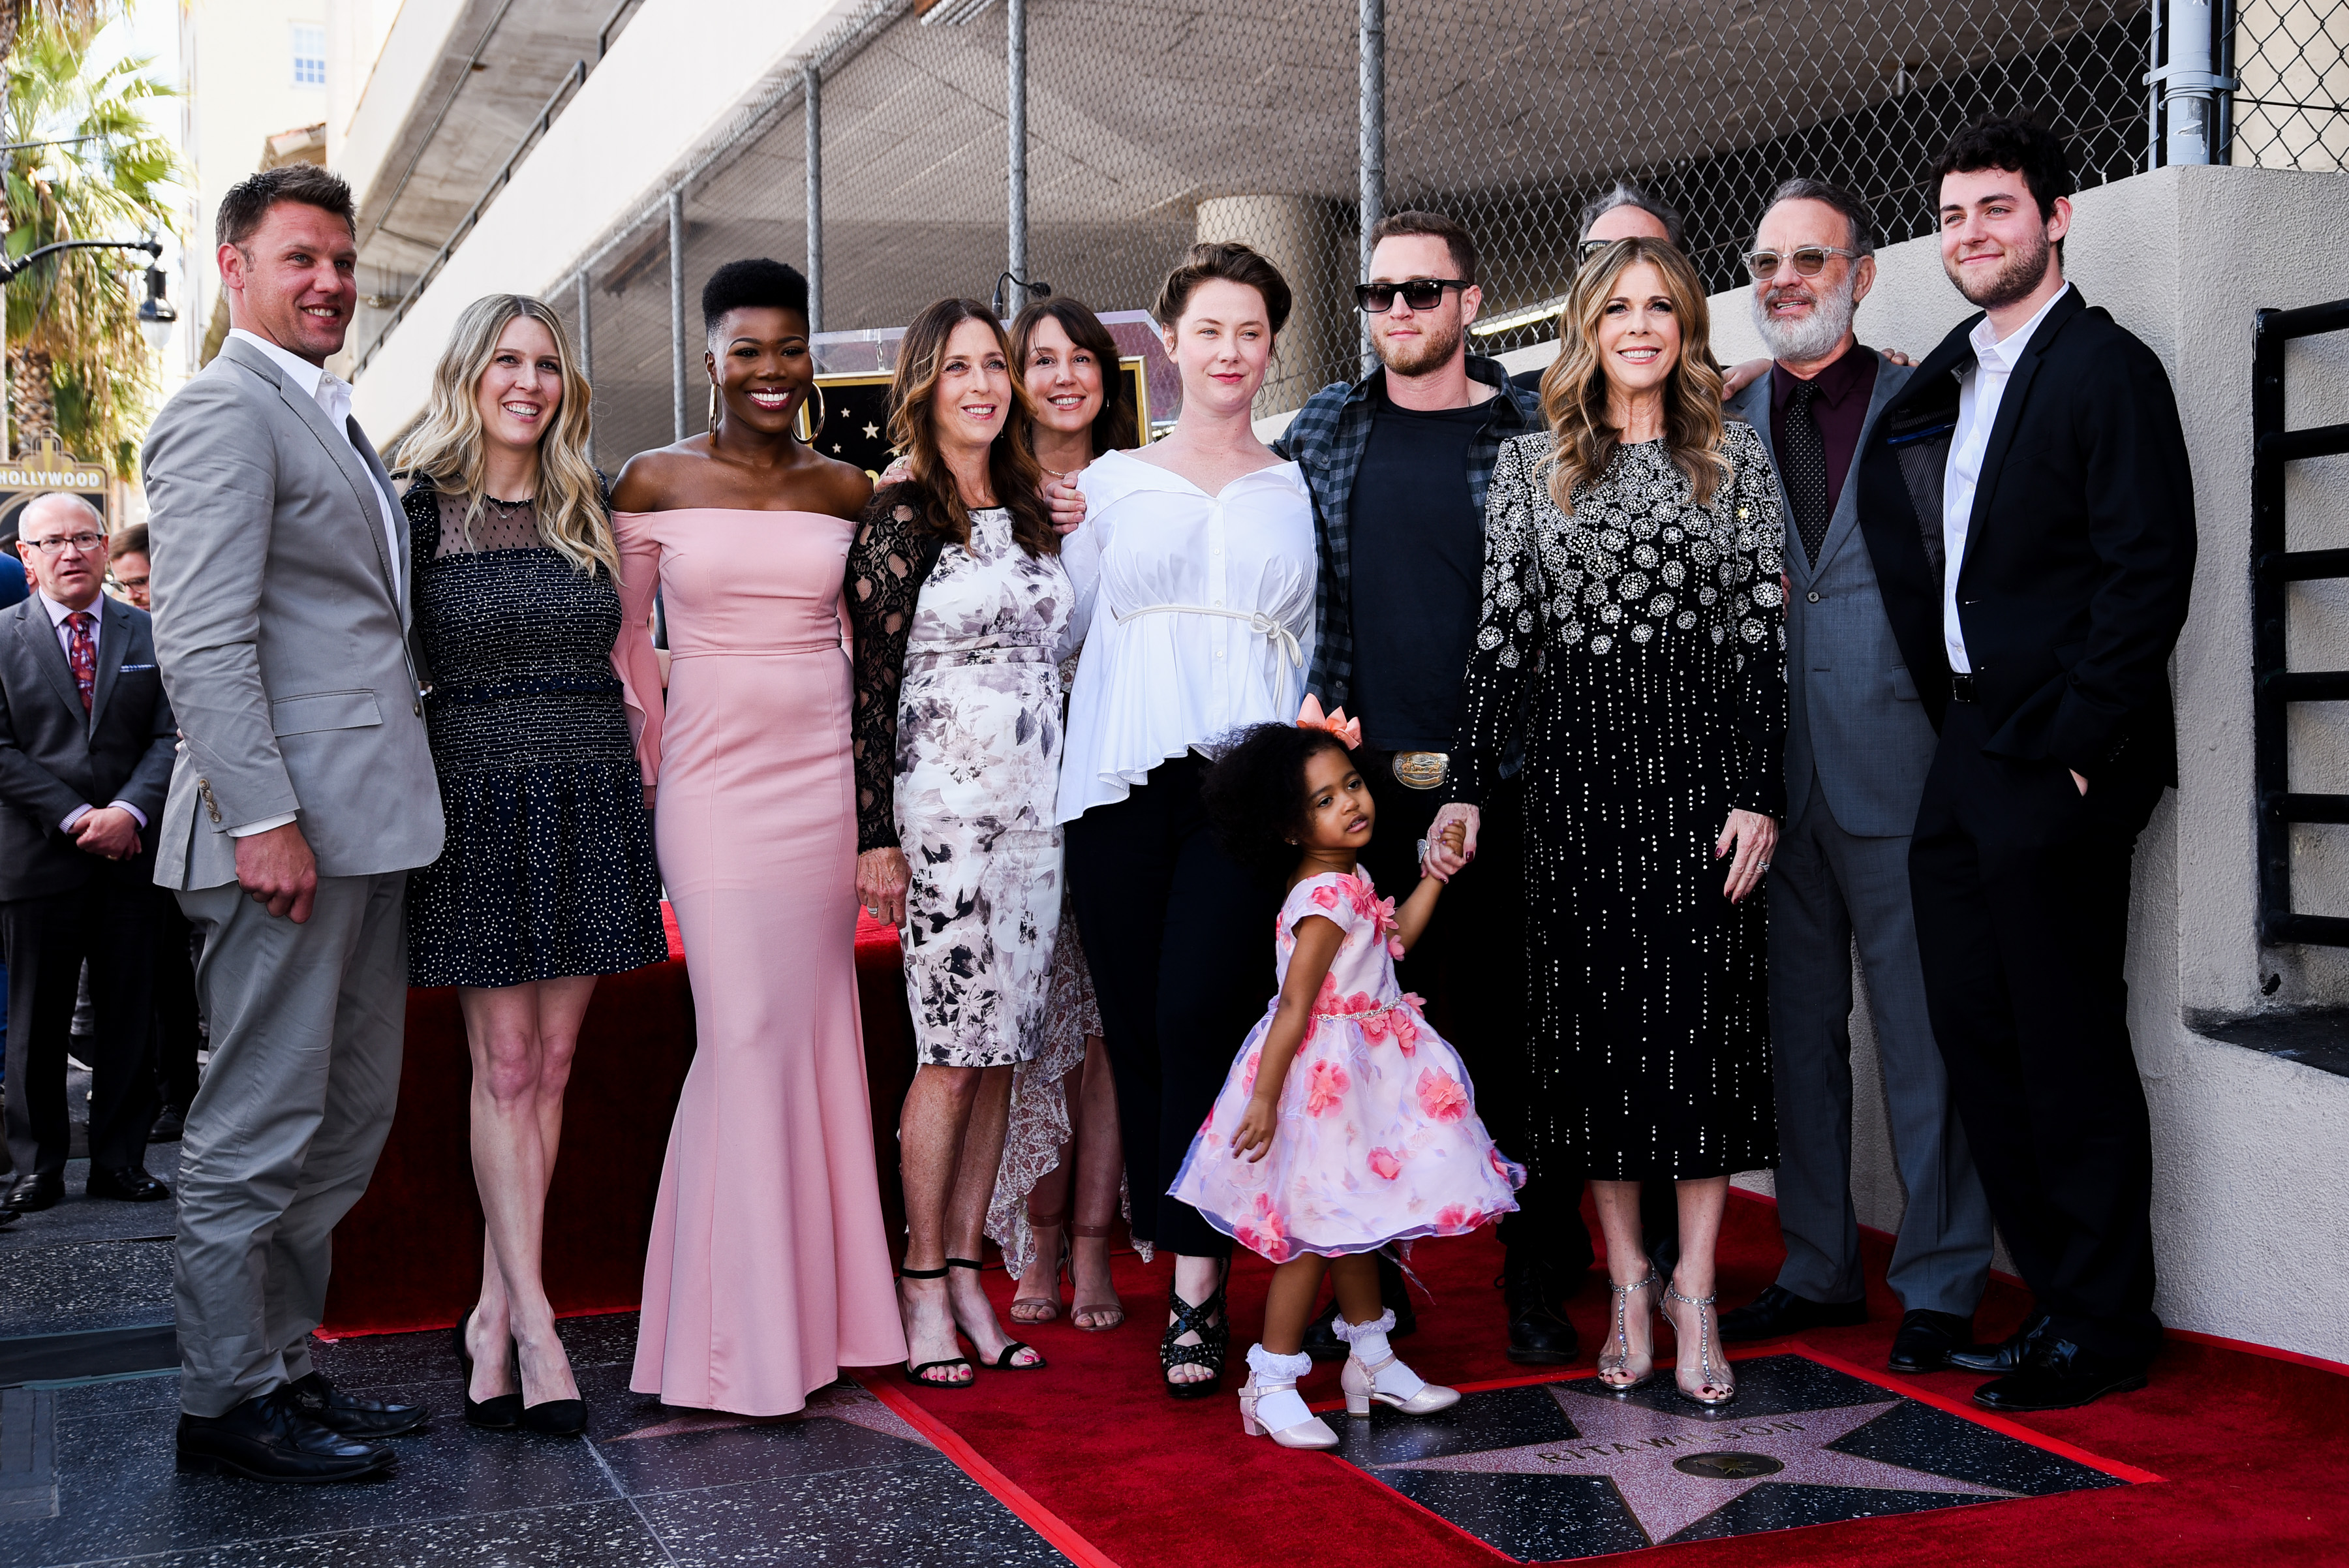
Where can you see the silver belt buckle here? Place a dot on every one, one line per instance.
(1422, 769)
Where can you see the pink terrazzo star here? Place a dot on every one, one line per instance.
(1636, 1449)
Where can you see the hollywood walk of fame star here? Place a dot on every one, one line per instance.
(1640, 1452)
(843, 1401)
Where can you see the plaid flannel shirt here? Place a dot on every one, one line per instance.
(1327, 439)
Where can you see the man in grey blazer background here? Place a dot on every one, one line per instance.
(302, 795)
(1858, 747)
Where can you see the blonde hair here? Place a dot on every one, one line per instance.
(1574, 388)
(447, 447)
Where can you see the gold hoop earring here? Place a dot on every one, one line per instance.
(713, 408)
(816, 424)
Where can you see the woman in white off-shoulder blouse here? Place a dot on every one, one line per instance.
(1197, 558)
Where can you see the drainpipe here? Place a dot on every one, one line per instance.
(1016, 115)
(2189, 88)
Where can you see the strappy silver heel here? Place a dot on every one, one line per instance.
(1708, 1375)
(1621, 1358)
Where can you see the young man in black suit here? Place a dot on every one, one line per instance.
(2030, 511)
(86, 743)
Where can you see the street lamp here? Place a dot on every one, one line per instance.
(155, 312)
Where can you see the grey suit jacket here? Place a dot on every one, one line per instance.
(53, 757)
(1853, 719)
(282, 623)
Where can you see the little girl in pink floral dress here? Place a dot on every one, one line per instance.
(1347, 1124)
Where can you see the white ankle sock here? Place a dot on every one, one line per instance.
(1370, 1343)
(1284, 1408)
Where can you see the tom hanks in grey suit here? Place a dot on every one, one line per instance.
(302, 795)
(1858, 748)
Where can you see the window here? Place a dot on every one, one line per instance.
(309, 55)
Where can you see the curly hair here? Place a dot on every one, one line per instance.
(1255, 793)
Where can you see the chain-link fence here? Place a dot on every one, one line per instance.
(1151, 125)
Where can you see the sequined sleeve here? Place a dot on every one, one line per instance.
(1760, 782)
(1510, 630)
(887, 563)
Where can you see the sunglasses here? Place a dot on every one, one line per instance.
(1809, 261)
(1420, 294)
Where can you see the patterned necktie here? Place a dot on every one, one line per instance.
(1803, 466)
(81, 652)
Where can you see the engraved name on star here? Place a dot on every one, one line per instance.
(1637, 1451)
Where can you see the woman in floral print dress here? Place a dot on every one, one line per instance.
(962, 613)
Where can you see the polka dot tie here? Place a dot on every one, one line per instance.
(1802, 464)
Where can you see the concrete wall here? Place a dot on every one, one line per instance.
(240, 62)
(2252, 1233)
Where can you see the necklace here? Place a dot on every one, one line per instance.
(507, 508)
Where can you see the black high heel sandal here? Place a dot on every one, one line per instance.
(1215, 1339)
(498, 1412)
(1002, 1362)
(913, 1370)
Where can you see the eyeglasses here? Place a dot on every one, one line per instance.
(1809, 261)
(82, 544)
(1420, 294)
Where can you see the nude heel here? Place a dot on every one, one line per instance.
(1269, 1375)
(1360, 1380)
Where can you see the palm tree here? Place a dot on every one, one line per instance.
(86, 164)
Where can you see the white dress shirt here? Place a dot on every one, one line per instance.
(1202, 617)
(333, 394)
(1978, 395)
(97, 613)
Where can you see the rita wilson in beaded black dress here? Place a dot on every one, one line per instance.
(549, 867)
(1635, 653)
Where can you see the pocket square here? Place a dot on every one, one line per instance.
(133, 669)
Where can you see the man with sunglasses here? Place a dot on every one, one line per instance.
(1858, 747)
(1398, 464)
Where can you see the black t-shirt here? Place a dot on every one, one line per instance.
(1417, 558)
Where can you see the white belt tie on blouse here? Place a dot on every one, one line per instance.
(1257, 622)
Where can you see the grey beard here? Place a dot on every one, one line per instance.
(1812, 337)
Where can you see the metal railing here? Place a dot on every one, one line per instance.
(2275, 566)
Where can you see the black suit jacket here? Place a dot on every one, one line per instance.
(55, 757)
(2079, 553)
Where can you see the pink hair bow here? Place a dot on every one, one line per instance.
(1348, 730)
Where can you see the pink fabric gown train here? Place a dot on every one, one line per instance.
(768, 1268)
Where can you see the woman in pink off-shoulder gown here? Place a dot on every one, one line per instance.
(769, 1269)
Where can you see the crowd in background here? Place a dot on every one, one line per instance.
(1674, 683)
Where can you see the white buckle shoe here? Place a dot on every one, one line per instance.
(1360, 1382)
(1272, 1382)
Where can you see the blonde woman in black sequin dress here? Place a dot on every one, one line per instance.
(1630, 648)
(548, 880)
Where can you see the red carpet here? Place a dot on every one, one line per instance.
(1118, 1473)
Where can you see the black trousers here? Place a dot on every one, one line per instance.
(110, 921)
(1179, 940)
(1471, 965)
(2021, 891)
(179, 1031)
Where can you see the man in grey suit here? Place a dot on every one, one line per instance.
(1858, 747)
(302, 795)
(85, 753)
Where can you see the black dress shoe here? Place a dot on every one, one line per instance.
(267, 1438)
(316, 1399)
(1540, 1334)
(1927, 1338)
(1778, 1312)
(170, 1125)
(2006, 1356)
(33, 1193)
(556, 1418)
(2058, 1374)
(127, 1183)
(1321, 1341)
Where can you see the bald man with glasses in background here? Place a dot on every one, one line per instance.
(86, 743)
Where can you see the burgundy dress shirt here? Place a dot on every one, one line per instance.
(1840, 410)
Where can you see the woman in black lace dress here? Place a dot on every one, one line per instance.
(548, 878)
(1630, 647)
